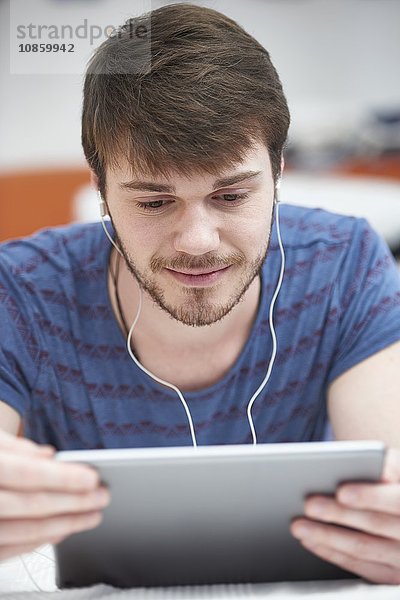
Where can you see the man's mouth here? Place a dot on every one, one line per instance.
(197, 277)
(197, 272)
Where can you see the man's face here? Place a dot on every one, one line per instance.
(195, 244)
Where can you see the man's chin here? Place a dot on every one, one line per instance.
(199, 307)
(201, 318)
(194, 314)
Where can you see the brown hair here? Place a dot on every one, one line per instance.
(207, 92)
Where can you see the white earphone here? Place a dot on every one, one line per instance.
(104, 213)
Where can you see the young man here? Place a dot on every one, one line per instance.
(186, 152)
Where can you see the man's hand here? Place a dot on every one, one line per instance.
(41, 500)
(373, 510)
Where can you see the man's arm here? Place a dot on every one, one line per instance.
(364, 402)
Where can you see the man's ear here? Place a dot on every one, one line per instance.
(94, 180)
(282, 165)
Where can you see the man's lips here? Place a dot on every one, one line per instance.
(194, 272)
(197, 277)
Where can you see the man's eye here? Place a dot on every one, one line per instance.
(232, 197)
(151, 205)
(156, 204)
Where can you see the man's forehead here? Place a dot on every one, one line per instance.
(252, 167)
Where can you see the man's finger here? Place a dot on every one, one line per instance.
(9, 551)
(361, 546)
(23, 505)
(39, 531)
(379, 497)
(373, 572)
(38, 474)
(22, 445)
(328, 510)
(16, 550)
(391, 468)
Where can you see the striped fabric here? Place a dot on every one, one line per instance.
(64, 365)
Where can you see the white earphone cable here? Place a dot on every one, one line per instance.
(110, 238)
(272, 330)
(170, 385)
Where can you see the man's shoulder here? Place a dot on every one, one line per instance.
(53, 250)
(305, 227)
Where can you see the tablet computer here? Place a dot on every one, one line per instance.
(208, 515)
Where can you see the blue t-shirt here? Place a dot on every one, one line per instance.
(65, 368)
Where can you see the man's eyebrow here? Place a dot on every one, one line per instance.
(150, 186)
(231, 179)
(146, 186)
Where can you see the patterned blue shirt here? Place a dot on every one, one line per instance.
(65, 368)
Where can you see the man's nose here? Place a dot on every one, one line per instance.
(196, 232)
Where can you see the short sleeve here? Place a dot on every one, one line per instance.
(19, 350)
(368, 289)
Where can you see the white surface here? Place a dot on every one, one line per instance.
(375, 199)
(15, 584)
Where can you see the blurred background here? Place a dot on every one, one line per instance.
(339, 64)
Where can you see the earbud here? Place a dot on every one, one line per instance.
(102, 206)
(277, 187)
(104, 213)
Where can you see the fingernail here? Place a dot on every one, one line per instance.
(348, 495)
(89, 479)
(103, 497)
(47, 448)
(93, 520)
(310, 544)
(316, 508)
(57, 540)
(300, 530)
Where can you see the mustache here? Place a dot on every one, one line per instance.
(187, 262)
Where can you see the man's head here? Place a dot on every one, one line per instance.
(206, 93)
(207, 106)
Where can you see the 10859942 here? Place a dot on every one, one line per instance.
(46, 48)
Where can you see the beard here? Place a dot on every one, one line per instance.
(196, 310)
